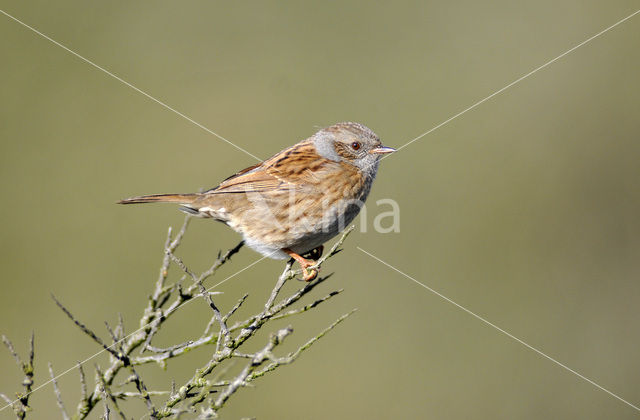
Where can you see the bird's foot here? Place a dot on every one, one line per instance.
(307, 273)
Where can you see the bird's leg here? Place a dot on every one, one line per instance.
(307, 275)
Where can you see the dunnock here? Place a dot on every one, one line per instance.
(298, 199)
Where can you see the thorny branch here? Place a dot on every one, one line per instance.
(203, 391)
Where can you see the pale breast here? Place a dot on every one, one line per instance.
(305, 217)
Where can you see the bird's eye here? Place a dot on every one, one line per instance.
(356, 145)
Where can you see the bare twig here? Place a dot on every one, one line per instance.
(105, 391)
(286, 275)
(86, 330)
(142, 389)
(105, 416)
(293, 356)
(212, 381)
(56, 390)
(223, 324)
(140, 386)
(221, 260)
(105, 398)
(309, 306)
(21, 404)
(83, 405)
(235, 308)
(7, 399)
(258, 359)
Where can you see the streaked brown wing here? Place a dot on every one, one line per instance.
(244, 171)
(258, 181)
(229, 181)
(293, 168)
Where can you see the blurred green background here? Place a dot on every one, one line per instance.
(524, 210)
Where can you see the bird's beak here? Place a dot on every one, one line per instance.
(382, 150)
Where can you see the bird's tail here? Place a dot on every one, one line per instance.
(185, 199)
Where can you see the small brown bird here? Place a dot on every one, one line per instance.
(295, 201)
